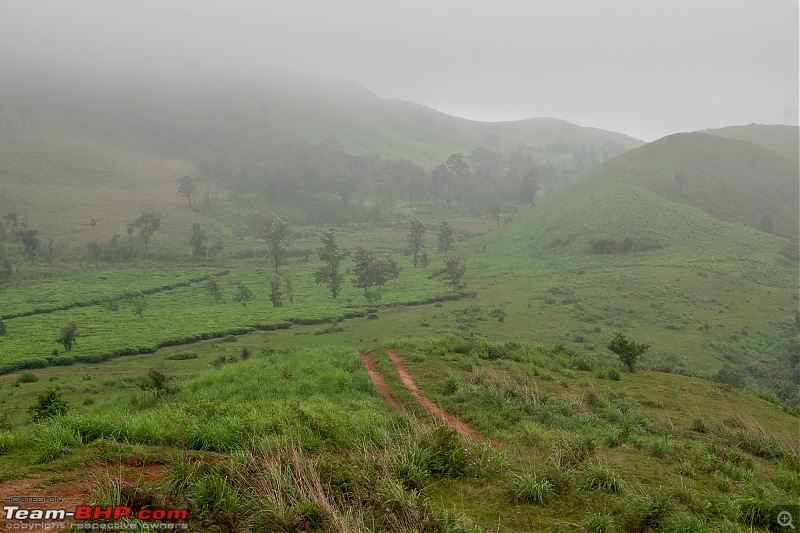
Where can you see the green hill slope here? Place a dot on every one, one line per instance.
(779, 138)
(617, 250)
(731, 180)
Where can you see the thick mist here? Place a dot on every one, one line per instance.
(643, 69)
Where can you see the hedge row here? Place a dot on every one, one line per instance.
(89, 303)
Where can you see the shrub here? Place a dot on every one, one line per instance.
(572, 451)
(183, 356)
(598, 523)
(49, 404)
(627, 350)
(27, 377)
(452, 383)
(648, 513)
(531, 488)
(602, 479)
(446, 455)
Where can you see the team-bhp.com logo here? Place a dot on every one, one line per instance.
(96, 512)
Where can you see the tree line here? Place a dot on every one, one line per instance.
(289, 170)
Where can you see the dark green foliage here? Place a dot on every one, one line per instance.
(68, 335)
(416, 240)
(27, 377)
(197, 241)
(445, 453)
(445, 237)
(213, 289)
(138, 305)
(48, 404)
(332, 257)
(183, 356)
(243, 294)
(155, 381)
(276, 231)
(454, 270)
(370, 270)
(627, 349)
(148, 223)
(3, 330)
(275, 293)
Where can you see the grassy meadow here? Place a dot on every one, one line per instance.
(257, 417)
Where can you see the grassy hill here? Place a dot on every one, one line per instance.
(731, 180)
(779, 138)
(298, 440)
(620, 249)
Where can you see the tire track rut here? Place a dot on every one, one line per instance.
(408, 382)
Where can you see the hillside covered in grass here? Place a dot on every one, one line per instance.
(299, 440)
(620, 248)
(780, 138)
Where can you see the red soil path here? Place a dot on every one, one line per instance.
(431, 407)
(377, 379)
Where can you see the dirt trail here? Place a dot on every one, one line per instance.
(431, 407)
(377, 379)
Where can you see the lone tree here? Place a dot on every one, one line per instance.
(138, 305)
(627, 350)
(445, 237)
(276, 231)
(68, 335)
(197, 240)
(188, 188)
(148, 223)
(243, 294)
(362, 278)
(329, 273)
(49, 404)
(277, 236)
(213, 289)
(275, 293)
(416, 240)
(30, 242)
(454, 270)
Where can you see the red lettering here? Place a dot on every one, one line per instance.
(159, 514)
(121, 511)
(144, 514)
(177, 514)
(83, 512)
(106, 513)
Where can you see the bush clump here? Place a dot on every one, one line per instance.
(49, 404)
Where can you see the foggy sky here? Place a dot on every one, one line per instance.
(643, 67)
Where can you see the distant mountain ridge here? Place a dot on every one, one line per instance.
(179, 119)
